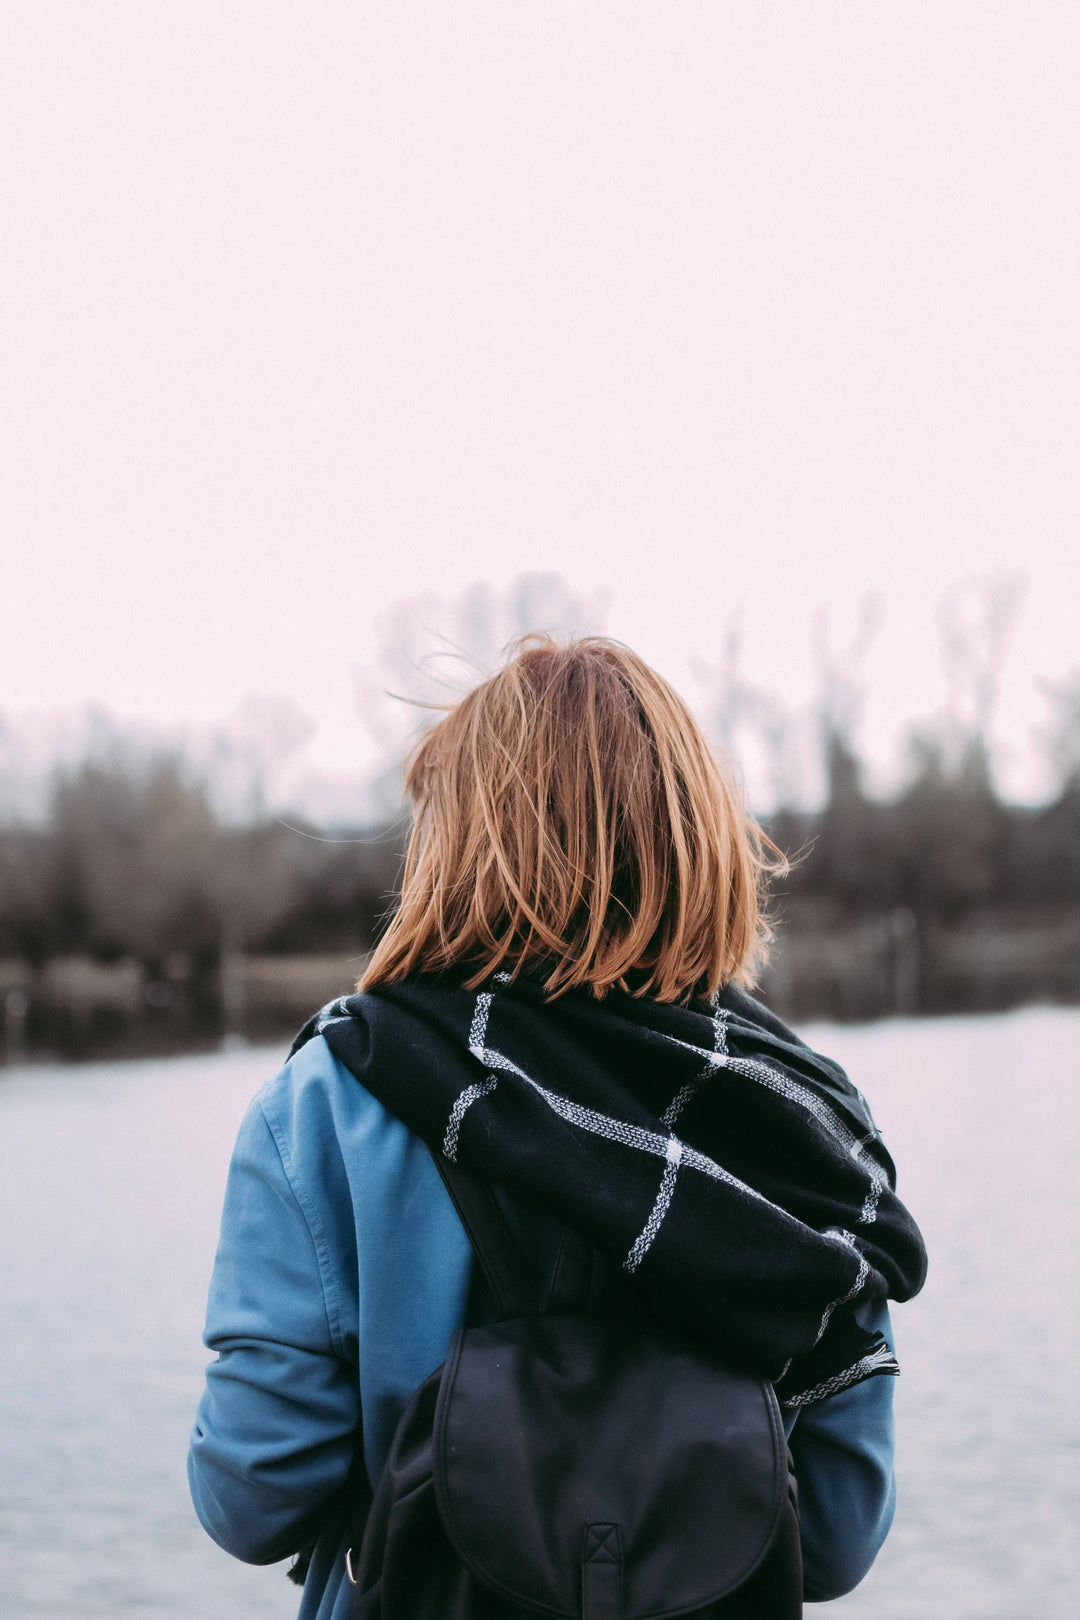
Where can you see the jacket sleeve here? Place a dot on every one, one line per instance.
(277, 1425)
(843, 1453)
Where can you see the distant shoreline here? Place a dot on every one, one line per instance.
(823, 967)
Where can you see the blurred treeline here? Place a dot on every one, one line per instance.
(133, 911)
(133, 901)
(940, 899)
(140, 907)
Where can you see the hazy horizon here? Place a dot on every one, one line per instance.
(725, 313)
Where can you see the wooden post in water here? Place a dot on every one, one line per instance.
(904, 927)
(231, 991)
(16, 1007)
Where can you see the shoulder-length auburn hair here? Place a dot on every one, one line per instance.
(570, 819)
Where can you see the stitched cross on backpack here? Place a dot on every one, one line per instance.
(577, 1465)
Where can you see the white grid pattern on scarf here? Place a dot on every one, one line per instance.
(878, 1183)
(478, 1032)
(826, 1116)
(333, 1013)
(676, 1153)
(617, 1130)
(645, 1141)
(645, 1237)
(712, 1065)
(848, 1239)
(462, 1103)
(881, 1357)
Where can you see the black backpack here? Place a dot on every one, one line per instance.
(576, 1465)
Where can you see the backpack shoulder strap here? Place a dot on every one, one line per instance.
(492, 1244)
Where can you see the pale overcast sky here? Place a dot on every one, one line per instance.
(716, 307)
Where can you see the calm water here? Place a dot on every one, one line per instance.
(110, 1196)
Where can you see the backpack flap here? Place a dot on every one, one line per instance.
(598, 1466)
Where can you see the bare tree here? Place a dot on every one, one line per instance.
(730, 698)
(841, 668)
(750, 724)
(430, 652)
(976, 620)
(1061, 737)
(249, 754)
(11, 772)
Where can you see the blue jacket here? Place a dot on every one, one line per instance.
(341, 1273)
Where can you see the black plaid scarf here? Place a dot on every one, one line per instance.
(734, 1173)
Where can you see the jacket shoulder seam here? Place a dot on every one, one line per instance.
(316, 1230)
